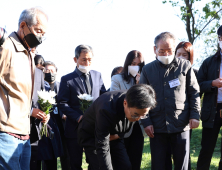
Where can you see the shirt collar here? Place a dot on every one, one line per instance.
(19, 45)
(79, 72)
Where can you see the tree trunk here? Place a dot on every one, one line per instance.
(188, 21)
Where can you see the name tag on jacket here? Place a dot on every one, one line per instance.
(174, 83)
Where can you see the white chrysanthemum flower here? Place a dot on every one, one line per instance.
(52, 93)
(51, 101)
(89, 98)
(85, 97)
(80, 96)
(47, 96)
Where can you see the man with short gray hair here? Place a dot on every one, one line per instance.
(82, 80)
(178, 104)
(16, 88)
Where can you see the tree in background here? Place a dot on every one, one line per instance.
(201, 22)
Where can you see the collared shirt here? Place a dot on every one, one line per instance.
(82, 77)
(219, 97)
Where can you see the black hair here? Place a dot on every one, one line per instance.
(141, 96)
(39, 60)
(116, 70)
(219, 31)
(51, 64)
(129, 59)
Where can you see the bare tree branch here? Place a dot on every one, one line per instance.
(212, 18)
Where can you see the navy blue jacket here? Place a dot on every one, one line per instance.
(209, 71)
(45, 148)
(71, 86)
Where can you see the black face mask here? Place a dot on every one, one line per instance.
(50, 77)
(31, 39)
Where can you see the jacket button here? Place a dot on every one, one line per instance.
(165, 98)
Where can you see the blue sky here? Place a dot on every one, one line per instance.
(112, 28)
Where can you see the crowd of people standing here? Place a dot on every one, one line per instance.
(160, 99)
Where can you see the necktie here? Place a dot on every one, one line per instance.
(88, 83)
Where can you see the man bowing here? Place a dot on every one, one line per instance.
(101, 131)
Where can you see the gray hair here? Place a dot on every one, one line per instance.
(29, 15)
(164, 36)
(50, 63)
(82, 48)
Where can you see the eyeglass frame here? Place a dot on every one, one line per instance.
(43, 36)
(166, 51)
(136, 117)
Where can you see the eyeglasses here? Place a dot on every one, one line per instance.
(48, 71)
(38, 33)
(162, 52)
(137, 117)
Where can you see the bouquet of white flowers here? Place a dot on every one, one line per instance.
(85, 101)
(46, 101)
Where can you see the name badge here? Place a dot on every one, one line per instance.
(174, 83)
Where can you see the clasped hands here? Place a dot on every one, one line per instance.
(37, 113)
(194, 123)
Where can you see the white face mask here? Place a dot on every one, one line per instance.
(220, 44)
(84, 69)
(182, 57)
(133, 70)
(166, 59)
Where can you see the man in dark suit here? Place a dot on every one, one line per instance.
(82, 80)
(101, 131)
(50, 78)
(43, 148)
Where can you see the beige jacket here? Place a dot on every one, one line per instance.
(15, 87)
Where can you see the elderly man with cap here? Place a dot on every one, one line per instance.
(210, 81)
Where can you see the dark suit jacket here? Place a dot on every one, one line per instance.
(105, 117)
(45, 148)
(70, 87)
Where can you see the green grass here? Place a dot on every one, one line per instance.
(195, 146)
